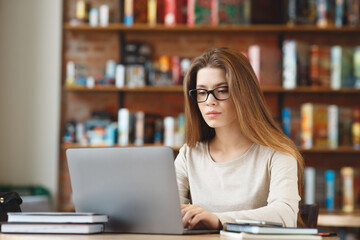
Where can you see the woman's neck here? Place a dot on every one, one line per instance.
(228, 143)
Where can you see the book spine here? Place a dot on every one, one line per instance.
(254, 57)
(169, 13)
(139, 128)
(330, 189)
(123, 126)
(286, 120)
(339, 13)
(314, 65)
(191, 13)
(347, 174)
(357, 67)
(310, 175)
(347, 67)
(214, 12)
(120, 76)
(307, 110)
(335, 80)
(151, 12)
(322, 18)
(169, 131)
(353, 12)
(333, 122)
(320, 125)
(289, 64)
(129, 12)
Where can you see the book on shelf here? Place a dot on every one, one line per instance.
(57, 228)
(341, 67)
(56, 217)
(295, 64)
(249, 236)
(267, 72)
(234, 12)
(249, 228)
(320, 66)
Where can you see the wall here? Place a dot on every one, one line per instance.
(30, 57)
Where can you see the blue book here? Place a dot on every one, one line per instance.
(286, 121)
(330, 189)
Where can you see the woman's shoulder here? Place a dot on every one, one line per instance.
(199, 147)
(272, 153)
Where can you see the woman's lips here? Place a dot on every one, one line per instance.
(213, 114)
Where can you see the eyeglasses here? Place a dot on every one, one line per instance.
(201, 95)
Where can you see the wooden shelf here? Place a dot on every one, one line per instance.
(170, 89)
(339, 150)
(339, 219)
(258, 28)
(167, 89)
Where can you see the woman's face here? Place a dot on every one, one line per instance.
(216, 113)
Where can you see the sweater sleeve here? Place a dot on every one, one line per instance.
(283, 198)
(182, 175)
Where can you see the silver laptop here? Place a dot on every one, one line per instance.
(135, 186)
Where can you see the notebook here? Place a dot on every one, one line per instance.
(135, 186)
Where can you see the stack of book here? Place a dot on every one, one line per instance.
(264, 230)
(54, 222)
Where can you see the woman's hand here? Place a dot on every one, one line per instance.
(194, 216)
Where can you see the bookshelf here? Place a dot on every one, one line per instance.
(190, 42)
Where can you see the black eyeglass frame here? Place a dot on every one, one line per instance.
(208, 92)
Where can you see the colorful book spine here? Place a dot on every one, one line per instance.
(357, 67)
(190, 13)
(347, 174)
(322, 17)
(307, 110)
(170, 13)
(339, 13)
(330, 189)
(128, 12)
(320, 125)
(335, 80)
(286, 121)
(353, 12)
(333, 129)
(289, 64)
(151, 12)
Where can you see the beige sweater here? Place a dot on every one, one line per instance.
(260, 185)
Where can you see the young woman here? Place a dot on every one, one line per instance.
(237, 162)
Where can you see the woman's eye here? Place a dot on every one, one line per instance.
(201, 93)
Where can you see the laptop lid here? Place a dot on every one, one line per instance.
(135, 186)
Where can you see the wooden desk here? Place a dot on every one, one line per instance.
(106, 236)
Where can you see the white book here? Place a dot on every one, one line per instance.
(248, 228)
(335, 77)
(56, 217)
(123, 126)
(289, 64)
(333, 122)
(246, 236)
(310, 187)
(120, 76)
(169, 131)
(254, 57)
(69, 228)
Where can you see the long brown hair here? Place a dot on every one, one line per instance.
(254, 117)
